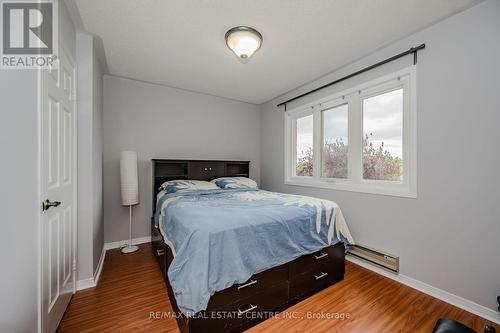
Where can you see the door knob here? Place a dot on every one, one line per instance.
(47, 204)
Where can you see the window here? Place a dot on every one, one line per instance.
(362, 139)
(335, 142)
(304, 147)
(383, 136)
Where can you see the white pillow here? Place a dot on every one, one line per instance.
(180, 185)
(235, 182)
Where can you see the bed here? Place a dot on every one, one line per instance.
(234, 257)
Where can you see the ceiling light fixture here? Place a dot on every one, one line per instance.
(243, 41)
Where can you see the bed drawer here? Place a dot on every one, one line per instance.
(161, 253)
(314, 280)
(243, 311)
(331, 255)
(257, 283)
(156, 240)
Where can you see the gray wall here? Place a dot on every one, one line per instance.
(97, 143)
(449, 236)
(90, 200)
(162, 122)
(19, 191)
(20, 204)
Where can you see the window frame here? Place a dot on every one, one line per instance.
(354, 97)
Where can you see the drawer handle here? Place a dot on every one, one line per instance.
(241, 286)
(322, 255)
(317, 277)
(251, 308)
(160, 252)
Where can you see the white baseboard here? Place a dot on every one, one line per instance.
(85, 283)
(445, 296)
(135, 241)
(92, 282)
(98, 271)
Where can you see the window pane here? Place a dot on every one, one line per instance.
(305, 146)
(383, 136)
(335, 127)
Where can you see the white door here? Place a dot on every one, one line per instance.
(58, 190)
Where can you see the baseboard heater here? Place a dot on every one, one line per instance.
(384, 260)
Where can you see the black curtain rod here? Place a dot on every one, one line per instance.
(413, 50)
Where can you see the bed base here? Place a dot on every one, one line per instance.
(264, 295)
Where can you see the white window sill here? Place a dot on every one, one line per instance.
(341, 185)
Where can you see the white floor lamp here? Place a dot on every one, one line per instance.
(129, 189)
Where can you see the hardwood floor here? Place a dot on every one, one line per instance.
(131, 288)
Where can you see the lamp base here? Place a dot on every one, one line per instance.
(130, 249)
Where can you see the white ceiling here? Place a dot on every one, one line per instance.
(181, 43)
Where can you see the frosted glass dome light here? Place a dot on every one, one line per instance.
(243, 41)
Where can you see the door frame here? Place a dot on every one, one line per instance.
(41, 90)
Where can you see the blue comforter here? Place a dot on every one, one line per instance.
(223, 237)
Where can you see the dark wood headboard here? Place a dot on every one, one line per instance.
(165, 170)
